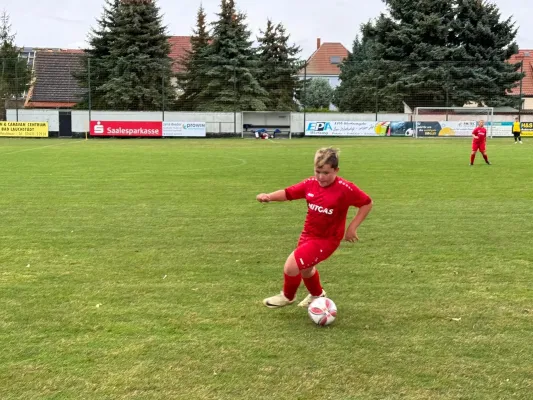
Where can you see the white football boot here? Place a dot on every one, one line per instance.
(309, 299)
(277, 301)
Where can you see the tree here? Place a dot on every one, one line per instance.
(15, 76)
(318, 94)
(139, 65)
(359, 81)
(94, 71)
(279, 68)
(232, 66)
(422, 54)
(487, 42)
(194, 76)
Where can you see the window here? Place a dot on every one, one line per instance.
(335, 59)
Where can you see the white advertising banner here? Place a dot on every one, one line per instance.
(501, 129)
(457, 128)
(460, 128)
(184, 129)
(346, 128)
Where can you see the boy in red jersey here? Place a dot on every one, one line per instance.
(479, 142)
(328, 199)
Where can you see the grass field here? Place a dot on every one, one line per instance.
(135, 269)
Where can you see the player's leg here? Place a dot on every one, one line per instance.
(301, 263)
(291, 281)
(473, 157)
(308, 256)
(311, 279)
(483, 150)
(520, 138)
(475, 148)
(515, 134)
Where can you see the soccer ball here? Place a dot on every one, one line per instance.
(322, 311)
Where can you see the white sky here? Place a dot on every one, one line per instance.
(65, 23)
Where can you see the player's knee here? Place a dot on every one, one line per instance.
(291, 266)
(308, 272)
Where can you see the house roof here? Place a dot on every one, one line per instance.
(320, 61)
(50, 104)
(179, 46)
(527, 82)
(55, 84)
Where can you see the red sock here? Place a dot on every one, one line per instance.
(472, 158)
(485, 157)
(313, 284)
(290, 285)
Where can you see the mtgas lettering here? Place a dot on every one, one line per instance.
(320, 209)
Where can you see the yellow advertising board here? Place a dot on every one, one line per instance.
(23, 129)
(527, 129)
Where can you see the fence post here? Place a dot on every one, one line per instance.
(89, 88)
(163, 96)
(16, 90)
(234, 100)
(377, 97)
(447, 102)
(521, 80)
(305, 95)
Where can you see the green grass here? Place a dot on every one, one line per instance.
(135, 269)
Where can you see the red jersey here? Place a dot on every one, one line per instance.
(481, 133)
(327, 207)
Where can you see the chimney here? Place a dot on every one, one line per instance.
(318, 43)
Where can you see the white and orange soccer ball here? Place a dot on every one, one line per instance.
(322, 311)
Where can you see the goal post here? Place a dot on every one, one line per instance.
(451, 121)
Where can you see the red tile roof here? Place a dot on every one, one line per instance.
(179, 45)
(72, 51)
(320, 61)
(527, 83)
(49, 104)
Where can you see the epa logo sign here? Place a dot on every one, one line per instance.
(319, 126)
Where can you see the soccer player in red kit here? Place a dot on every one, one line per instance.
(328, 199)
(479, 142)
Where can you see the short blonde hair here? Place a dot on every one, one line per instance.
(327, 155)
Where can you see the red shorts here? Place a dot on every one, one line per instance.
(312, 251)
(481, 146)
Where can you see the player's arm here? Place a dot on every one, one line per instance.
(362, 213)
(278, 195)
(474, 133)
(294, 192)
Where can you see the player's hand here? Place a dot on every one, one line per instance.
(476, 137)
(351, 236)
(263, 198)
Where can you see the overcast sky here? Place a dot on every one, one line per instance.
(65, 23)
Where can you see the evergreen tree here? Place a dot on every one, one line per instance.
(367, 80)
(432, 53)
(194, 77)
(95, 72)
(359, 82)
(486, 43)
(139, 65)
(232, 66)
(279, 68)
(15, 75)
(420, 46)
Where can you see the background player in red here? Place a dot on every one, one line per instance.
(328, 198)
(479, 142)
